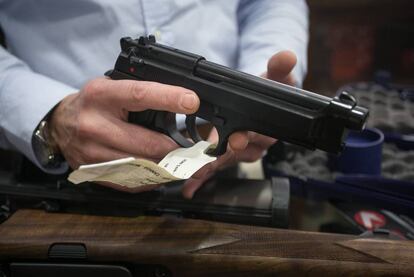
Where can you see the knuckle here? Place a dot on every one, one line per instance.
(92, 90)
(169, 100)
(138, 92)
(85, 128)
(89, 155)
(82, 128)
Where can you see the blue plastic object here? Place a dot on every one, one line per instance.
(405, 142)
(362, 153)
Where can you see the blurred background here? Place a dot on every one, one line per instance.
(351, 40)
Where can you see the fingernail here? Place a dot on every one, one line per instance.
(189, 101)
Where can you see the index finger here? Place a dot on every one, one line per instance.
(142, 95)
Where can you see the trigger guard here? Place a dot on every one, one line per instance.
(190, 124)
(170, 125)
(221, 147)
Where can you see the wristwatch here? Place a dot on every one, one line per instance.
(45, 149)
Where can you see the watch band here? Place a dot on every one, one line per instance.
(45, 150)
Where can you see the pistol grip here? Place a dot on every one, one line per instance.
(160, 121)
(146, 118)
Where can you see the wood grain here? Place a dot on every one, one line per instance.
(201, 248)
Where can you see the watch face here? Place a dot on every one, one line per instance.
(42, 150)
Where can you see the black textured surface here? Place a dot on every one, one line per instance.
(388, 112)
(396, 164)
(67, 251)
(2, 38)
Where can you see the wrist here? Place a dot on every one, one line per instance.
(45, 145)
(51, 131)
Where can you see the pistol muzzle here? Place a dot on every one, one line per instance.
(345, 106)
(357, 118)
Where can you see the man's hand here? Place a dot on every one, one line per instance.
(245, 146)
(91, 126)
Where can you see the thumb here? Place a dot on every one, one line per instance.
(280, 66)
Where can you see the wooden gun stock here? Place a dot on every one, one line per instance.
(186, 247)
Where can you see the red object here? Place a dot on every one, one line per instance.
(370, 220)
(132, 69)
(352, 48)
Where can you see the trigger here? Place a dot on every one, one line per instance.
(190, 123)
(169, 124)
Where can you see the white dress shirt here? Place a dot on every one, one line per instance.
(55, 46)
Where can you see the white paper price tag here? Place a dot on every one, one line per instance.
(179, 164)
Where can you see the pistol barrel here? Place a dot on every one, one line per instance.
(353, 115)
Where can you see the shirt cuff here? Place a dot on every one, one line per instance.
(25, 101)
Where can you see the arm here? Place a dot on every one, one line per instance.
(25, 99)
(270, 26)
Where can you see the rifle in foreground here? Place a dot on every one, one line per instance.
(232, 100)
(36, 243)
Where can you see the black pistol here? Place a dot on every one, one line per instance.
(233, 101)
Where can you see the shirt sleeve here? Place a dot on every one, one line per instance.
(269, 26)
(25, 99)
